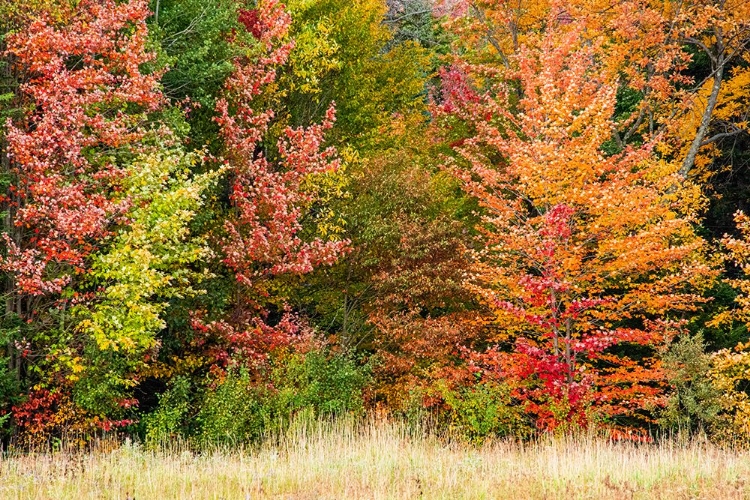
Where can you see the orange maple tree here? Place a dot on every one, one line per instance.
(650, 51)
(588, 255)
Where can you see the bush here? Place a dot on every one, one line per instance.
(475, 413)
(694, 403)
(169, 419)
(330, 385)
(232, 413)
(313, 384)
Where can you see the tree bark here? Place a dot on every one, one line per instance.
(689, 161)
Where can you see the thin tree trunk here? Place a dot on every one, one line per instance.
(689, 161)
(8, 82)
(556, 333)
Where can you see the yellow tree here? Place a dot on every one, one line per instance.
(730, 369)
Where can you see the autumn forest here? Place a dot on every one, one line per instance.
(504, 218)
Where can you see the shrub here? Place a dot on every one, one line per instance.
(313, 384)
(169, 419)
(475, 413)
(233, 412)
(328, 384)
(694, 402)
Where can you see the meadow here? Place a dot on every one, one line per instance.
(383, 460)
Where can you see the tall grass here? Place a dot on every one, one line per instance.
(343, 460)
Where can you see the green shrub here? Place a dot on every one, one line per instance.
(170, 418)
(314, 384)
(475, 413)
(327, 384)
(233, 412)
(694, 402)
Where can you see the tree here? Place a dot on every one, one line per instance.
(655, 51)
(345, 53)
(376, 68)
(197, 42)
(83, 75)
(721, 31)
(85, 99)
(417, 256)
(264, 235)
(587, 254)
(152, 261)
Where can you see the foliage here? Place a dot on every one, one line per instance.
(168, 421)
(310, 385)
(729, 375)
(583, 251)
(738, 252)
(231, 413)
(694, 402)
(83, 78)
(263, 233)
(345, 53)
(197, 42)
(729, 367)
(85, 102)
(475, 412)
(151, 261)
(328, 384)
(220, 217)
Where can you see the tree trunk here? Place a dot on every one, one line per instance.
(689, 161)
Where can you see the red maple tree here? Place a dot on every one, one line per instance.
(87, 98)
(264, 232)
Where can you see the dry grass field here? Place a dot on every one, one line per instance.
(382, 461)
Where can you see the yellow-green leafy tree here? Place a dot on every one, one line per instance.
(151, 260)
